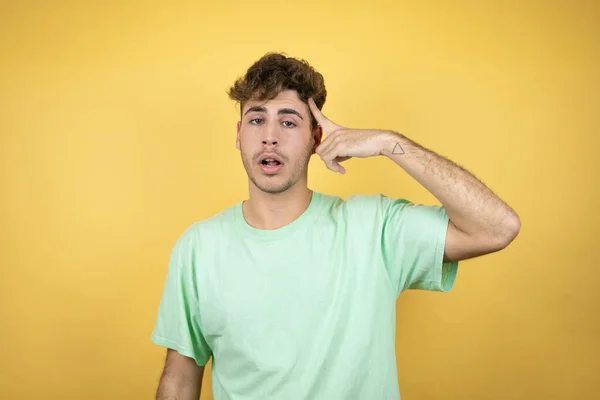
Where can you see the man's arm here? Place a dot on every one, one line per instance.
(480, 222)
(181, 378)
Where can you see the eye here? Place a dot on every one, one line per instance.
(252, 121)
(291, 124)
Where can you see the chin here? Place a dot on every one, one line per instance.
(274, 188)
(272, 184)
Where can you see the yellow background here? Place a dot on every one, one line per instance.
(117, 134)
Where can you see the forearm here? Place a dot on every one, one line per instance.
(470, 205)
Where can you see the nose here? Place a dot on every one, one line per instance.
(270, 135)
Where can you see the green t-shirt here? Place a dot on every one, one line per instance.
(306, 311)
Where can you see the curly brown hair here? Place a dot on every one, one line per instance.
(274, 73)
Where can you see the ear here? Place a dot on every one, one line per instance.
(237, 136)
(317, 136)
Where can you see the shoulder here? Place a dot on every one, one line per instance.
(205, 232)
(373, 204)
(364, 211)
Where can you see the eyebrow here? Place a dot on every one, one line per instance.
(281, 111)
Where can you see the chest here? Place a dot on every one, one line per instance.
(271, 281)
(266, 302)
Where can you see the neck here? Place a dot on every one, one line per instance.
(275, 210)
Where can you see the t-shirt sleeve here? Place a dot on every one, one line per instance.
(413, 241)
(177, 325)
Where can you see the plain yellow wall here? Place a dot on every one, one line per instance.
(117, 134)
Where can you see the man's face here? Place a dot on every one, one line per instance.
(277, 129)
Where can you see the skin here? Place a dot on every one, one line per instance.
(181, 378)
(276, 200)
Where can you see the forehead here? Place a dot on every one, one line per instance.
(285, 99)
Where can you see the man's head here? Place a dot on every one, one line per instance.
(276, 121)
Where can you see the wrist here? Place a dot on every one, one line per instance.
(391, 143)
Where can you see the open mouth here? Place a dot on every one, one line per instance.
(270, 162)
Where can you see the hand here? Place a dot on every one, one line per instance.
(342, 143)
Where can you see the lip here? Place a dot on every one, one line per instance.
(267, 169)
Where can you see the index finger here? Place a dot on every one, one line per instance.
(325, 123)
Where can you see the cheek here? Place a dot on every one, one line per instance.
(249, 136)
(248, 148)
(302, 151)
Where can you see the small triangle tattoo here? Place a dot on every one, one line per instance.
(398, 149)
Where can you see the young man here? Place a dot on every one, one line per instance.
(293, 292)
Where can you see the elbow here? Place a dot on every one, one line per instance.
(510, 231)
